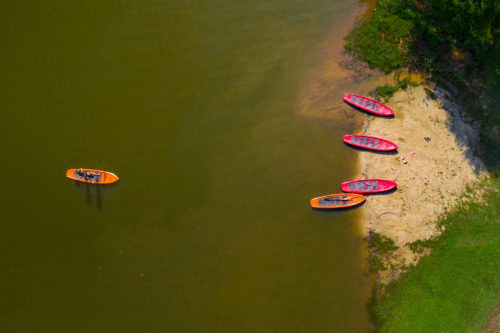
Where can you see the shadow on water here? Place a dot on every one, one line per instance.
(92, 199)
(87, 194)
(393, 152)
(98, 197)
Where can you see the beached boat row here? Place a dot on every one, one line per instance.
(355, 189)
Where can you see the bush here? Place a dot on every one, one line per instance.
(381, 41)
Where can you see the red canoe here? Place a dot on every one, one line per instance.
(368, 186)
(368, 105)
(370, 142)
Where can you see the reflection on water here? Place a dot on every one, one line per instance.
(195, 105)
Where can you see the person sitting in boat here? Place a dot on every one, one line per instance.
(79, 172)
(89, 174)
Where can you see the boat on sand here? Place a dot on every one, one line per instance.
(368, 105)
(370, 142)
(368, 186)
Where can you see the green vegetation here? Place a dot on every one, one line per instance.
(419, 246)
(456, 41)
(454, 288)
(380, 243)
(381, 248)
(381, 41)
(429, 29)
(386, 92)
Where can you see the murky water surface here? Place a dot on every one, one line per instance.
(195, 106)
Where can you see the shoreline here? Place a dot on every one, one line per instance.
(446, 208)
(321, 99)
(420, 190)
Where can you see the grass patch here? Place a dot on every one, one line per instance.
(457, 285)
(386, 92)
(381, 248)
(381, 244)
(419, 246)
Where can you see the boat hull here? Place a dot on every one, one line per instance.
(370, 142)
(368, 186)
(337, 201)
(102, 177)
(368, 105)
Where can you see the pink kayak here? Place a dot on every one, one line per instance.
(370, 142)
(368, 186)
(368, 105)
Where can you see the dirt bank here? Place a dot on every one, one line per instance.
(431, 174)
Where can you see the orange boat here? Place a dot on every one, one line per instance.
(92, 176)
(334, 201)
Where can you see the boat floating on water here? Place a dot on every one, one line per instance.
(335, 201)
(368, 186)
(92, 176)
(370, 142)
(368, 105)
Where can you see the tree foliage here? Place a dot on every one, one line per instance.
(457, 41)
(471, 25)
(381, 41)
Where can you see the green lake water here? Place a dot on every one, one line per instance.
(195, 105)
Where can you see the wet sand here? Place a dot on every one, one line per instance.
(336, 74)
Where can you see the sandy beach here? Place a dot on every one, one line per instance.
(432, 174)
